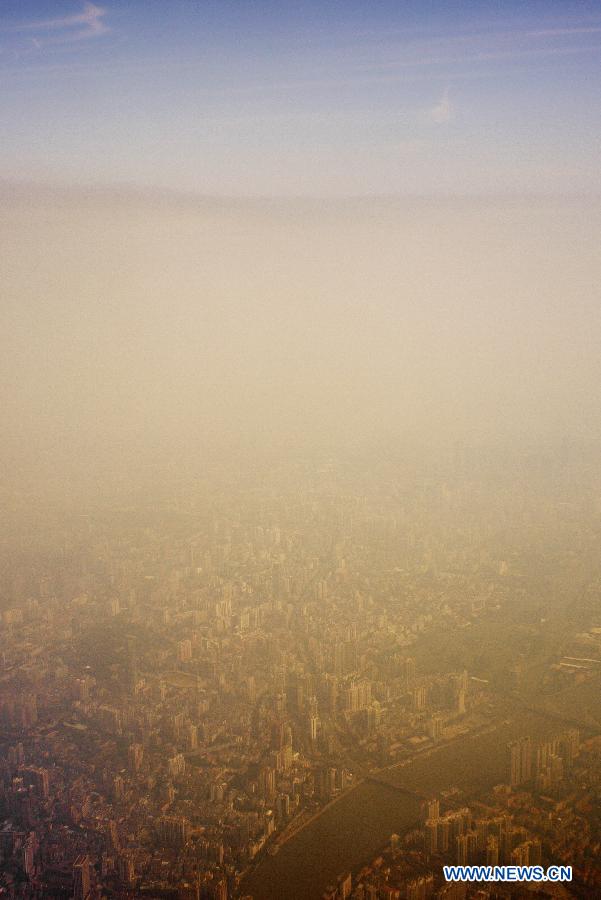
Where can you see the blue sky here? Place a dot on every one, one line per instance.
(305, 98)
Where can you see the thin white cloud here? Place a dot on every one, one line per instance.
(444, 52)
(88, 23)
(560, 32)
(442, 111)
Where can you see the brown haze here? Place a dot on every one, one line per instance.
(135, 322)
(300, 544)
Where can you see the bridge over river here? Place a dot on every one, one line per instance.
(351, 830)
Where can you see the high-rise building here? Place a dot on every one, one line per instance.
(520, 761)
(482, 834)
(173, 830)
(444, 835)
(135, 755)
(283, 806)
(267, 783)
(118, 788)
(431, 836)
(28, 858)
(526, 759)
(126, 869)
(569, 743)
(192, 737)
(333, 695)
(409, 672)
(492, 851)
(219, 890)
(520, 855)
(436, 728)
(461, 844)
(345, 885)
(419, 698)
(184, 651)
(81, 878)
(176, 765)
(28, 711)
(432, 808)
(113, 835)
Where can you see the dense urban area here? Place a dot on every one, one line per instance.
(321, 678)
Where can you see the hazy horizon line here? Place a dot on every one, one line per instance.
(142, 191)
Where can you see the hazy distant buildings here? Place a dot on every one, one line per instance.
(436, 728)
(254, 696)
(419, 695)
(173, 830)
(520, 761)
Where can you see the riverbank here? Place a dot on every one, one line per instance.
(351, 831)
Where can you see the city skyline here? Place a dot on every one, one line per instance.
(300, 494)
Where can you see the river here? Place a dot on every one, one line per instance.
(352, 831)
